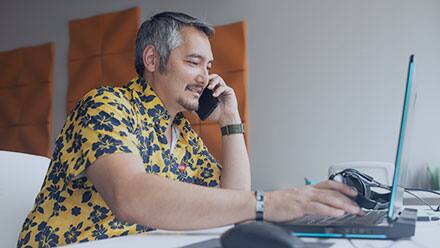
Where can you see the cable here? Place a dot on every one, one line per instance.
(352, 243)
(425, 190)
(420, 199)
(409, 189)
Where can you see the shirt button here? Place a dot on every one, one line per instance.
(181, 167)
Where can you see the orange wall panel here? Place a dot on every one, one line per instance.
(26, 99)
(101, 51)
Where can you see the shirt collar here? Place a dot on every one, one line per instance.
(150, 105)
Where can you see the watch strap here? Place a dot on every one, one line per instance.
(259, 206)
(232, 129)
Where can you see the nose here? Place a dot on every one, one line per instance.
(203, 77)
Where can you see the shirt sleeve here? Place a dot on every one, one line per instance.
(102, 123)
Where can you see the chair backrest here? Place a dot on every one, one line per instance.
(20, 181)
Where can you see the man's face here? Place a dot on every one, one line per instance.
(186, 71)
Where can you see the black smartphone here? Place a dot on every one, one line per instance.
(207, 104)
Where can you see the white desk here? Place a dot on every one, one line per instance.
(159, 238)
(427, 236)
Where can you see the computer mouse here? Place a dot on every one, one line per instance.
(259, 234)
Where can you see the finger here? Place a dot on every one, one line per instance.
(212, 76)
(214, 81)
(336, 200)
(316, 208)
(330, 184)
(221, 90)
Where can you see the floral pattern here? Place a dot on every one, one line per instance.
(108, 120)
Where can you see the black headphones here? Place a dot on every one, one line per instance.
(366, 198)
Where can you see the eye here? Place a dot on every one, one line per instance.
(193, 62)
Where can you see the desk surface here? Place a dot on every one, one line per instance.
(426, 236)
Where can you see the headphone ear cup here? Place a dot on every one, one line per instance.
(365, 202)
(354, 182)
(363, 196)
(382, 199)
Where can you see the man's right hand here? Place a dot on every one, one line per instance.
(328, 198)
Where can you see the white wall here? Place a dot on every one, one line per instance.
(325, 77)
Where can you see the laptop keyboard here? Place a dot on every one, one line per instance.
(370, 218)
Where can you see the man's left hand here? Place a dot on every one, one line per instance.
(226, 112)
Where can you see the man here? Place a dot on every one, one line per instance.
(127, 160)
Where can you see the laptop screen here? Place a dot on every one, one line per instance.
(402, 154)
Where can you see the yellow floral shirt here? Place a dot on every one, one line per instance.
(131, 119)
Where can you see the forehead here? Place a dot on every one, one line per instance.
(195, 42)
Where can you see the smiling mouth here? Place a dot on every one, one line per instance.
(197, 90)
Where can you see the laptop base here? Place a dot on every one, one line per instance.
(403, 227)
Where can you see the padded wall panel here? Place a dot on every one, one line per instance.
(209, 132)
(9, 111)
(84, 74)
(85, 38)
(229, 47)
(10, 64)
(115, 68)
(101, 52)
(26, 99)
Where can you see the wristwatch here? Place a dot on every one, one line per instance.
(259, 206)
(232, 129)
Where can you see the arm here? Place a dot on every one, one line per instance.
(236, 167)
(236, 172)
(137, 197)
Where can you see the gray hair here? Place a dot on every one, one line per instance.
(163, 32)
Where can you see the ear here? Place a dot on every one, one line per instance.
(150, 58)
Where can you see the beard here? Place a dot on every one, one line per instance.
(189, 105)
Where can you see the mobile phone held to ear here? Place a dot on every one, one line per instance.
(207, 104)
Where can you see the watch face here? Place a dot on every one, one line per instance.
(259, 206)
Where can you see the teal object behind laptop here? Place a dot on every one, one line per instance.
(395, 223)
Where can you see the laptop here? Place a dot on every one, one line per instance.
(395, 222)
